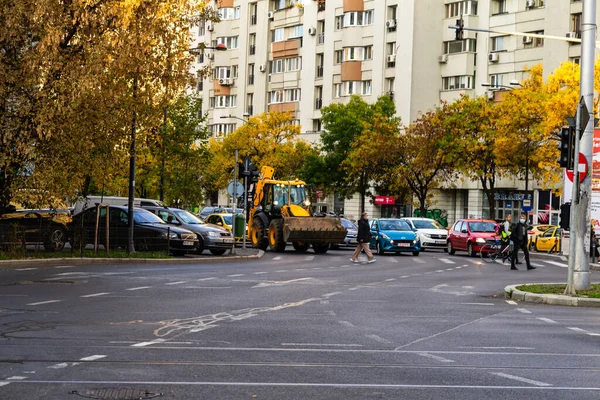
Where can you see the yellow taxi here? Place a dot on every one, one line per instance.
(225, 220)
(548, 241)
(534, 231)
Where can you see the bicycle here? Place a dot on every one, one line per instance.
(492, 252)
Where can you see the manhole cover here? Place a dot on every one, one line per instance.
(117, 394)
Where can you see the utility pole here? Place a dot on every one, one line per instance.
(579, 264)
(233, 210)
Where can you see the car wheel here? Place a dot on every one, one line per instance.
(450, 249)
(379, 249)
(470, 250)
(416, 253)
(56, 239)
(218, 252)
(200, 247)
(300, 247)
(276, 242)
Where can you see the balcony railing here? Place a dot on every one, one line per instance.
(253, 20)
(319, 71)
(321, 38)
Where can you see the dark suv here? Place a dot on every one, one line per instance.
(23, 227)
(212, 237)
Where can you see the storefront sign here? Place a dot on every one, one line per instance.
(385, 200)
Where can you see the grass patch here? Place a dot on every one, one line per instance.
(594, 291)
(86, 254)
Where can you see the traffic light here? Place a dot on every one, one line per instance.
(250, 171)
(567, 147)
(460, 24)
(565, 216)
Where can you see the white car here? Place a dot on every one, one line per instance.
(431, 234)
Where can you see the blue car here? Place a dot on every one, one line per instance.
(393, 235)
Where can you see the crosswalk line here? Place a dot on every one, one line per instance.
(447, 261)
(559, 264)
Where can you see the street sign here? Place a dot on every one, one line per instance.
(239, 189)
(526, 205)
(583, 169)
(585, 116)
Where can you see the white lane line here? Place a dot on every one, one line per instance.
(96, 294)
(16, 378)
(59, 366)
(439, 270)
(514, 303)
(405, 276)
(139, 288)
(277, 258)
(548, 320)
(520, 379)
(471, 304)
(346, 323)
(563, 265)
(538, 265)
(437, 358)
(523, 310)
(281, 270)
(449, 269)
(300, 269)
(25, 269)
(175, 283)
(235, 275)
(92, 358)
(208, 287)
(65, 266)
(317, 268)
(205, 279)
(144, 344)
(468, 287)
(419, 261)
(446, 261)
(260, 273)
(577, 329)
(428, 272)
(4, 383)
(326, 294)
(392, 260)
(39, 303)
(378, 339)
(309, 258)
(498, 348)
(390, 280)
(322, 344)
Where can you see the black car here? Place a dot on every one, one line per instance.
(28, 227)
(150, 233)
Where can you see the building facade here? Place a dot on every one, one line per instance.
(300, 55)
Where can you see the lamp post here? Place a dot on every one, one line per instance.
(201, 48)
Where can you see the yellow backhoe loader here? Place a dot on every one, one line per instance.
(281, 214)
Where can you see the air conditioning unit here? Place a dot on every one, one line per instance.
(210, 56)
(530, 4)
(391, 58)
(443, 59)
(493, 57)
(390, 23)
(225, 81)
(572, 35)
(262, 68)
(312, 31)
(527, 40)
(270, 15)
(209, 27)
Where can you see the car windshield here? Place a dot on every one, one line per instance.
(348, 224)
(393, 225)
(146, 217)
(425, 224)
(482, 226)
(188, 218)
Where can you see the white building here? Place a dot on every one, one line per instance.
(301, 55)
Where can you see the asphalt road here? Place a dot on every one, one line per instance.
(294, 326)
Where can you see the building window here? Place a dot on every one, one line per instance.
(227, 13)
(278, 35)
(457, 82)
(202, 27)
(223, 101)
(222, 129)
(250, 74)
(358, 53)
(499, 7)
(250, 102)
(461, 8)
(496, 80)
(317, 127)
(338, 56)
(292, 95)
(460, 46)
(530, 42)
(352, 87)
(253, 13)
(498, 43)
(230, 41)
(576, 24)
(392, 12)
(296, 31)
(339, 22)
(285, 65)
(223, 73)
(358, 18)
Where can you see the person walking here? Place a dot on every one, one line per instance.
(505, 237)
(363, 237)
(519, 238)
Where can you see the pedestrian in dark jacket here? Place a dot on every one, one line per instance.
(363, 236)
(519, 238)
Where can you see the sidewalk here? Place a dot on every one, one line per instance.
(240, 254)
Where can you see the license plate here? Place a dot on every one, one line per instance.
(403, 245)
(440, 242)
(188, 243)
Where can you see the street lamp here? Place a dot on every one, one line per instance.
(513, 84)
(201, 48)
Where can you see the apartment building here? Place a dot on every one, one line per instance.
(300, 55)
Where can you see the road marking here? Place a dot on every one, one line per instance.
(392, 260)
(139, 288)
(379, 339)
(468, 287)
(317, 268)
(538, 265)
(405, 276)
(390, 280)
(300, 269)
(39, 303)
(498, 348)
(520, 379)
(92, 358)
(205, 279)
(144, 344)
(280, 283)
(562, 265)
(65, 266)
(322, 344)
(260, 273)
(471, 304)
(449, 269)
(514, 303)
(96, 294)
(346, 323)
(235, 275)
(4, 383)
(309, 258)
(548, 320)
(281, 270)
(175, 283)
(577, 329)
(428, 272)
(523, 310)
(439, 270)
(59, 366)
(327, 295)
(447, 261)
(437, 358)
(419, 261)
(25, 269)
(16, 378)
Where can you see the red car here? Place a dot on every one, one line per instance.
(471, 235)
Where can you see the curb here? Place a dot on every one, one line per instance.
(51, 262)
(562, 257)
(513, 293)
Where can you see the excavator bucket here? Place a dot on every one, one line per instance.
(313, 230)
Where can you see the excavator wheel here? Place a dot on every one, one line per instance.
(258, 234)
(300, 247)
(276, 242)
(320, 248)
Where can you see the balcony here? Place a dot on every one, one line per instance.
(319, 71)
